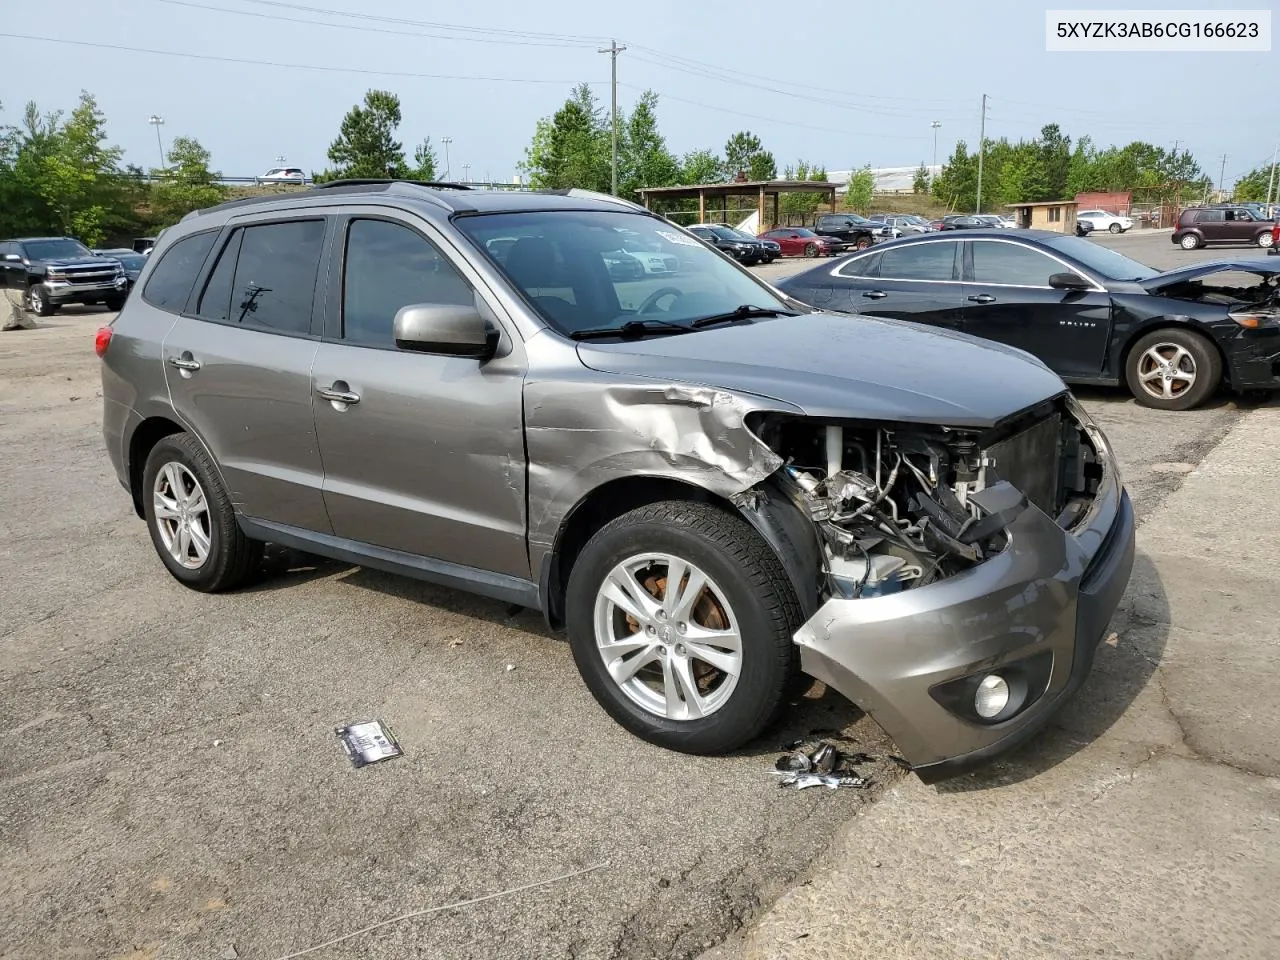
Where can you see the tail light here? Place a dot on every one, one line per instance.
(102, 341)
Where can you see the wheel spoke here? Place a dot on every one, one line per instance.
(1187, 376)
(682, 594)
(196, 502)
(182, 544)
(165, 508)
(199, 540)
(1155, 374)
(174, 481)
(624, 668)
(1179, 353)
(729, 663)
(681, 690)
(629, 596)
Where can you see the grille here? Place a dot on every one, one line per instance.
(90, 275)
(1032, 462)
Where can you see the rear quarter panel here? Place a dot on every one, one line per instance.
(133, 382)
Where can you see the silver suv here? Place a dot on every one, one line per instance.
(709, 485)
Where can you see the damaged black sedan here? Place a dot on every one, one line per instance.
(710, 486)
(1093, 315)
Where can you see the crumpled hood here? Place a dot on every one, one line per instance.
(844, 366)
(1263, 268)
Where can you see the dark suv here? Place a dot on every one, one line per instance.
(54, 271)
(710, 485)
(851, 230)
(1221, 223)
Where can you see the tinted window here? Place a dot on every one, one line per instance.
(1012, 264)
(919, 261)
(275, 277)
(55, 249)
(215, 301)
(1209, 216)
(170, 282)
(861, 266)
(388, 266)
(1101, 259)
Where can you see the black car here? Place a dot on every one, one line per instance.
(742, 248)
(772, 250)
(853, 232)
(54, 271)
(960, 222)
(1090, 314)
(131, 261)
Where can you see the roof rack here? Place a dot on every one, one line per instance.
(374, 181)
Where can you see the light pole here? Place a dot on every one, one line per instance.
(446, 141)
(158, 122)
(466, 173)
(935, 124)
(1271, 180)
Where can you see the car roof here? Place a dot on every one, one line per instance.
(33, 239)
(997, 232)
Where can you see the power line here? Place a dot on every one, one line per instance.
(325, 68)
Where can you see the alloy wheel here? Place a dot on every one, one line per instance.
(182, 515)
(667, 636)
(1166, 370)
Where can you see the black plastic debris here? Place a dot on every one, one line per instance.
(821, 766)
(368, 742)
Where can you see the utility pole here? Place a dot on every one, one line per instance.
(613, 50)
(935, 124)
(1222, 173)
(982, 147)
(446, 141)
(158, 122)
(466, 173)
(1271, 181)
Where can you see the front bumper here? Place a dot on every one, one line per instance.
(1049, 595)
(1253, 359)
(62, 291)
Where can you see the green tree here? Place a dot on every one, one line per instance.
(571, 148)
(802, 203)
(701, 166)
(644, 160)
(1052, 167)
(188, 184)
(79, 173)
(956, 184)
(861, 189)
(744, 153)
(1254, 184)
(920, 182)
(425, 161)
(366, 145)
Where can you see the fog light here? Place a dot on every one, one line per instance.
(992, 696)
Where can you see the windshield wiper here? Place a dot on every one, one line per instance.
(744, 312)
(632, 328)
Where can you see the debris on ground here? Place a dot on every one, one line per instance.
(510, 667)
(368, 742)
(455, 642)
(823, 765)
(230, 953)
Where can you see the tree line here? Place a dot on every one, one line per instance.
(60, 174)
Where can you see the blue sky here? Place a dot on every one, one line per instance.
(839, 83)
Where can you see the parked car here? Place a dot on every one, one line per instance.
(654, 259)
(283, 175)
(1101, 220)
(802, 242)
(995, 220)
(900, 225)
(1090, 314)
(1275, 239)
(770, 251)
(52, 272)
(1220, 223)
(963, 222)
(742, 248)
(143, 245)
(131, 261)
(853, 231)
(705, 483)
(1083, 228)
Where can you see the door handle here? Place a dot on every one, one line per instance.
(983, 298)
(336, 394)
(875, 294)
(185, 363)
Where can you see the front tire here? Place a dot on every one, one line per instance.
(680, 620)
(1189, 241)
(38, 302)
(810, 249)
(1115, 228)
(191, 520)
(1173, 369)
(114, 304)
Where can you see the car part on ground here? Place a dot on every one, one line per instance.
(705, 483)
(1079, 306)
(367, 742)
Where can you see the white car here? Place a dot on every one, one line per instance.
(283, 175)
(1101, 220)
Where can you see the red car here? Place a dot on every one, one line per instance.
(1275, 238)
(800, 242)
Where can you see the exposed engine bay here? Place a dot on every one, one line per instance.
(893, 504)
(1263, 292)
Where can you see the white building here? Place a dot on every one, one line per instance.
(888, 179)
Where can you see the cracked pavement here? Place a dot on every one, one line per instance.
(1146, 821)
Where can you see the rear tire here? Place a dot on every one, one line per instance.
(1265, 240)
(1191, 360)
(1189, 241)
(745, 593)
(180, 480)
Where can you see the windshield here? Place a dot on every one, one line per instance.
(131, 260)
(724, 233)
(801, 232)
(559, 261)
(1101, 260)
(55, 249)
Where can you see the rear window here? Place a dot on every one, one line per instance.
(171, 281)
(1208, 216)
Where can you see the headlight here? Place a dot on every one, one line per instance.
(992, 696)
(53, 273)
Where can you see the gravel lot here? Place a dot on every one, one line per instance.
(170, 785)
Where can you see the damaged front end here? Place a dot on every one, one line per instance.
(965, 574)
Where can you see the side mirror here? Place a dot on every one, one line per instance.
(1069, 281)
(452, 331)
